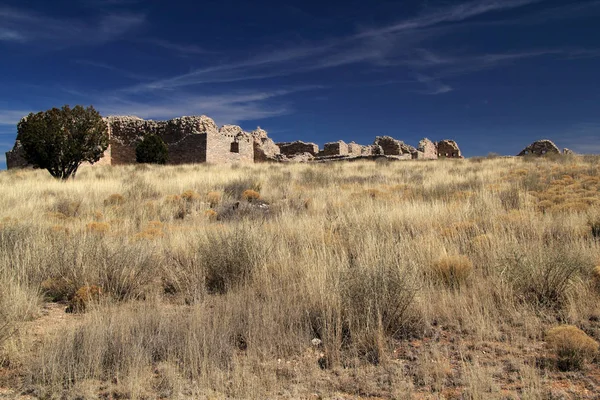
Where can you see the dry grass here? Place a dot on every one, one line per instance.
(420, 279)
(573, 347)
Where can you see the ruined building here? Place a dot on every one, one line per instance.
(189, 139)
(199, 140)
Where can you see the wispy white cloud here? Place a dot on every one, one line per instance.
(119, 71)
(456, 13)
(224, 108)
(12, 117)
(389, 45)
(23, 26)
(433, 85)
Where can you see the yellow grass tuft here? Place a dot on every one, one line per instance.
(211, 214)
(190, 195)
(98, 227)
(250, 195)
(213, 198)
(83, 297)
(572, 347)
(453, 270)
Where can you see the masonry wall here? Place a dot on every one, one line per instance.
(227, 148)
(339, 148)
(298, 147)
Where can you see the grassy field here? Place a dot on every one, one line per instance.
(442, 279)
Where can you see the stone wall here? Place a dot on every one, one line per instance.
(298, 147)
(265, 148)
(448, 149)
(339, 148)
(15, 157)
(186, 137)
(229, 145)
(354, 149)
(540, 148)
(427, 150)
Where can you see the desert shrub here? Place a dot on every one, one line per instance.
(190, 195)
(316, 176)
(215, 263)
(115, 199)
(375, 305)
(67, 207)
(213, 198)
(83, 297)
(250, 195)
(236, 188)
(152, 150)
(453, 271)
(572, 346)
(545, 279)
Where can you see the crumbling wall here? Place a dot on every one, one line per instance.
(229, 145)
(393, 147)
(185, 137)
(339, 148)
(428, 150)
(354, 149)
(540, 148)
(448, 149)
(265, 148)
(298, 147)
(15, 158)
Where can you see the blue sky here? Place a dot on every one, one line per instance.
(492, 74)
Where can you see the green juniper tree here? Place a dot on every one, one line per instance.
(152, 149)
(60, 140)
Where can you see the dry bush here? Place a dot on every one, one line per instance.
(544, 280)
(83, 298)
(572, 346)
(213, 198)
(453, 270)
(250, 195)
(236, 188)
(190, 195)
(68, 207)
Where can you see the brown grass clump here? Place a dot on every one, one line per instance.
(211, 214)
(572, 346)
(98, 227)
(453, 270)
(190, 195)
(250, 195)
(173, 198)
(213, 198)
(83, 297)
(115, 199)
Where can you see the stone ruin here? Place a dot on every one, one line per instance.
(197, 139)
(539, 148)
(448, 149)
